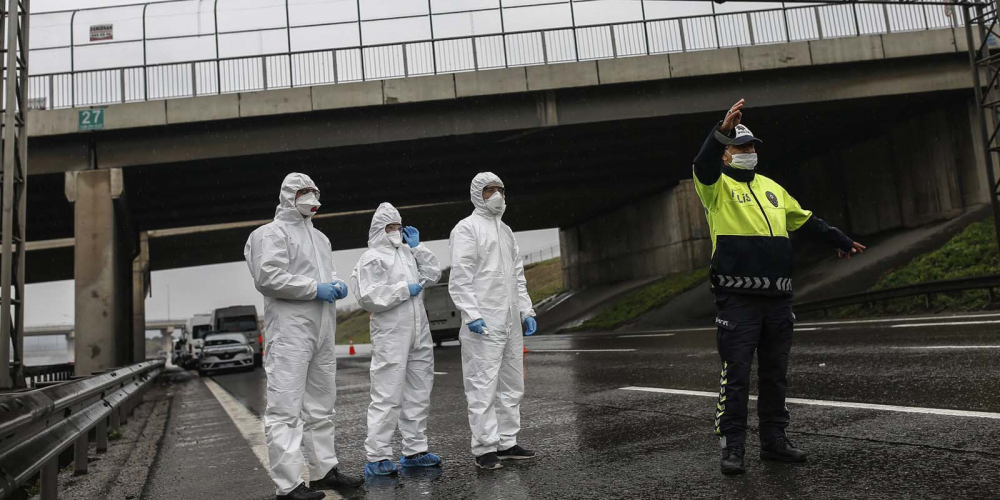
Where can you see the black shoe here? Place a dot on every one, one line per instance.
(489, 461)
(781, 450)
(516, 453)
(334, 480)
(302, 492)
(732, 461)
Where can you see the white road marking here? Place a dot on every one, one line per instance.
(249, 425)
(646, 335)
(950, 323)
(252, 429)
(440, 373)
(900, 320)
(807, 329)
(580, 350)
(951, 347)
(838, 404)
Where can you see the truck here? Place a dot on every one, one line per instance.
(444, 317)
(194, 338)
(242, 319)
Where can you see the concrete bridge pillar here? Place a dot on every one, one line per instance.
(104, 249)
(140, 290)
(662, 234)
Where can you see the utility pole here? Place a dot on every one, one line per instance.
(13, 192)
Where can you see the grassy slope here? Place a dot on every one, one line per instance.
(544, 280)
(633, 304)
(973, 252)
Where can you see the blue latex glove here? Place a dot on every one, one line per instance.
(478, 326)
(415, 288)
(326, 292)
(411, 236)
(341, 289)
(530, 325)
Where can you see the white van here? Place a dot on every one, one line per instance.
(444, 317)
(194, 335)
(241, 319)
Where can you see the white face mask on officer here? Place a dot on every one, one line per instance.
(496, 204)
(744, 161)
(307, 204)
(395, 238)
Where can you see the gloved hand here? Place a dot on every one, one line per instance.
(411, 236)
(478, 326)
(341, 289)
(415, 289)
(530, 325)
(326, 292)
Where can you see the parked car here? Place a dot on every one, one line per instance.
(242, 319)
(225, 351)
(194, 335)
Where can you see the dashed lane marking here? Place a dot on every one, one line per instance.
(645, 335)
(581, 350)
(837, 404)
(949, 347)
(949, 323)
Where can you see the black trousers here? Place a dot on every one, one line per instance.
(748, 323)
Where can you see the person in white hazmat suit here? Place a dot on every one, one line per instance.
(487, 285)
(388, 281)
(292, 267)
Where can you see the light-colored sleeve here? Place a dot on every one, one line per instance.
(428, 267)
(523, 299)
(464, 261)
(371, 286)
(266, 254)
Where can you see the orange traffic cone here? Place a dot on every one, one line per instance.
(525, 348)
(352, 352)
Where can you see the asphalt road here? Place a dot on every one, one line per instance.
(597, 439)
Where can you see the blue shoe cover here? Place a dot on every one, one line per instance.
(425, 460)
(382, 468)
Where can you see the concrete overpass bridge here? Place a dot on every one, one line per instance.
(600, 148)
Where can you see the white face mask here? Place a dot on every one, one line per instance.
(307, 204)
(395, 238)
(496, 204)
(744, 161)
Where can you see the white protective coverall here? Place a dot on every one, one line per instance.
(402, 369)
(487, 282)
(287, 259)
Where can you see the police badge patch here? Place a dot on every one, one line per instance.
(772, 198)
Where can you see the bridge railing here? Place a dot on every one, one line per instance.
(471, 53)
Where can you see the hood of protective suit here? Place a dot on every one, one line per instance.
(293, 182)
(479, 182)
(385, 214)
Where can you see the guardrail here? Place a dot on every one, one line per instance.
(36, 426)
(431, 56)
(35, 376)
(926, 289)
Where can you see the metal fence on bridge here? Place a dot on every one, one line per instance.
(362, 62)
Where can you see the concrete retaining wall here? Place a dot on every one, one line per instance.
(662, 234)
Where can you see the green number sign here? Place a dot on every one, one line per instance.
(91, 119)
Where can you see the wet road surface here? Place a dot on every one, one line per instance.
(598, 440)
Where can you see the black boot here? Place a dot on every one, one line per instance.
(515, 452)
(301, 492)
(781, 450)
(732, 461)
(334, 480)
(488, 461)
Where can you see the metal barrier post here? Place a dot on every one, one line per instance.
(885, 12)
(288, 29)
(784, 15)
(545, 52)
(263, 65)
(80, 455)
(406, 68)
(49, 479)
(121, 77)
(680, 27)
(857, 25)
(116, 419)
(194, 82)
(819, 23)
(102, 435)
(218, 64)
(614, 45)
(475, 55)
(645, 28)
(750, 29)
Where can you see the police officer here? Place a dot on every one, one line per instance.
(750, 217)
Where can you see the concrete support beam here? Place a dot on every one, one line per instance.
(560, 76)
(419, 89)
(663, 234)
(276, 102)
(491, 82)
(634, 69)
(102, 340)
(140, 290)
(346, 95)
